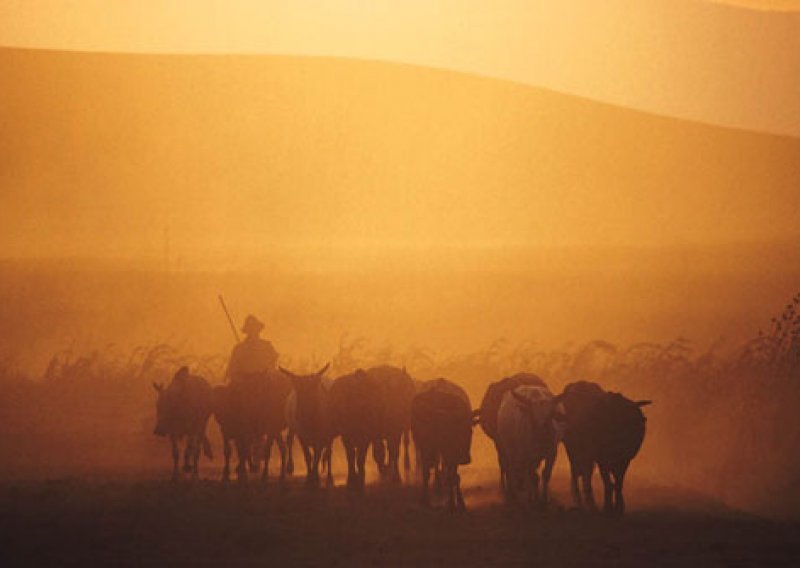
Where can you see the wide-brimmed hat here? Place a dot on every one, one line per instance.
(252, 324)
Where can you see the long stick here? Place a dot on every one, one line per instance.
(230, 319)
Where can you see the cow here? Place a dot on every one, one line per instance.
(441, 422)
(308, 415)
(182, 412)
(528, 435)
(396, 390)
(251, 413)
(357, 413)
(577, 400)
(487, 413)
(603, 428)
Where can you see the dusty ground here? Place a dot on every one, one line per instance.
(113, 521)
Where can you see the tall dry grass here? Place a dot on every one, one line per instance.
(724, 421)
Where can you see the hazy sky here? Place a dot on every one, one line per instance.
(734, 66)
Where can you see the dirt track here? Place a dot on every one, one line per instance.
(104, 523)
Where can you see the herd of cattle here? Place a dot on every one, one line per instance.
(383, 408)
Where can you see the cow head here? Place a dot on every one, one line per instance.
(545, 421)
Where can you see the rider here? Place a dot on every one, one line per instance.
(253, 356)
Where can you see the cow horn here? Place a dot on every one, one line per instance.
(323, 369)
(641, 403)
(287, 372)
(158, 387)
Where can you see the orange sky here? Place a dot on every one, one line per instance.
(686, 58)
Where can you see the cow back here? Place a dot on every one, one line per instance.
(441, 420)
(396, 389)
(356, 406)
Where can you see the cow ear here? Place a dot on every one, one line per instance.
(641, 403)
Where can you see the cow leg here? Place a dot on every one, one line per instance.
(394, 457)
(267, 455)
(502, 466)
(619, 478)
(256, 450)
(226, 448)
(438, 477)
(588, 492)
(188, 454)
(426, 476)
(329, 459)
(309, 463)
(406, 456)
(607, 489)
(289, 451)
(379, 455)
(457, 487)
(535, 485)
(318, 451)
(243, 453)
(282, 450)
(451, 483)
(350, 452)
(574, 478)
(198, 444)
(176, 458)
(361, 465)
(546, 473)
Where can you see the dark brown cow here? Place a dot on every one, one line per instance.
(308, 414)
(251, 413)
(578, 399)
(396, 390)
(357, 412)
(182, 412)
(602, 428)
(441, 421)
(490, 405)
